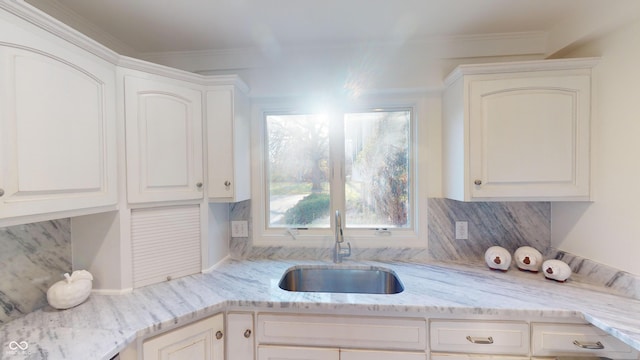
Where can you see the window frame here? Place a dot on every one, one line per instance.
(264, 236)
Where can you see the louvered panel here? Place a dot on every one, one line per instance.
(165, 243)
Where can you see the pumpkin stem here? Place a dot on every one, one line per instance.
(68, 277)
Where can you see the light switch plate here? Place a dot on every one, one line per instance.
(462, 230)
(240, 228)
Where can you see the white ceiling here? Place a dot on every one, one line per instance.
(158, 26)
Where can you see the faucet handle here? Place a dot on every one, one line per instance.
(346, 252)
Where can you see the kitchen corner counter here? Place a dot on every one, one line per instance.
(104, 325)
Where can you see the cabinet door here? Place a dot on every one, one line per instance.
(240, 336)
(164, 141)
(202, 340)
(165, 243)
(296, 353)
(529, 137)
(228, 145)
(57, 131)
(380, 355)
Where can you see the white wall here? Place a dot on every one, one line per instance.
(608, 229)
(218, 234)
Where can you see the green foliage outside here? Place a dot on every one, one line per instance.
(311, 207)
(390, 188)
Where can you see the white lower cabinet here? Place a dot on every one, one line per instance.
(240, 336)
(202, 340)
(315, 337)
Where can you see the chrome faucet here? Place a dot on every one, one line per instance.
(338, 251)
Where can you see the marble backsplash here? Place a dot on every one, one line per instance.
(32, 258)
(590, 272)
(507, 224)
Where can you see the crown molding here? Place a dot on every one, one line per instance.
(521, 66)
(73, 19)
(209, 61)
(203, 61)
(451, 47)
(44, 21)
(40, 19)
(173, 73)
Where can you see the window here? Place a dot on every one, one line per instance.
(362, 163)
(298, 171)
(373, 169)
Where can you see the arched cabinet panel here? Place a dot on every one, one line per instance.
(57, 116)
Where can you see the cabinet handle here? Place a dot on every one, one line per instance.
(199, 185)
(218, 334)
(1, 192)
(227, 183)
(247, 333)
(478, 182)
(589, 345)
(480, 340)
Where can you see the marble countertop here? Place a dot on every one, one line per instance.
(104, 325)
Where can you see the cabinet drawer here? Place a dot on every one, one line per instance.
(381, 355)
(558, 339)
(480, 337)
(343, 331)
(296, 353)
(438, 356)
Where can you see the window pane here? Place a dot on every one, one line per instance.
(297, 170)
(377, 169)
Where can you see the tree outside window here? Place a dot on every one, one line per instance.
(375, 156)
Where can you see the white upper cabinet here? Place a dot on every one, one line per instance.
(57, 127)
(518, 131)
(163, 122)
(228, 144)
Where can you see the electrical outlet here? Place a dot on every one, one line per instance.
(462, 230)
(240, 228)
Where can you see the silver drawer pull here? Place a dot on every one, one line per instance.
(480, 340)
(589, 345)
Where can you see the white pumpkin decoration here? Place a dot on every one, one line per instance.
(71, 291)
(497, 258)
(528, 258)
(556, 270)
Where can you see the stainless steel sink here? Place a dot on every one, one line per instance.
(362, 280)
